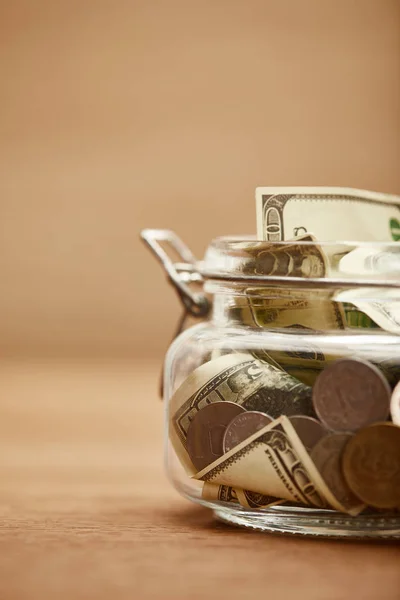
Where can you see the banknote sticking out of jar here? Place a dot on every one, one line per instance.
(283, 402)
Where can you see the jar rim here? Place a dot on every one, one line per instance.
(304, 262)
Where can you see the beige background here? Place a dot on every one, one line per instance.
(129, 114)
(120, 115)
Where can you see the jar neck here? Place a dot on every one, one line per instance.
(277, 308)
(231, 310)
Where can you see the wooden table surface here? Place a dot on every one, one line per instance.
(87, 512)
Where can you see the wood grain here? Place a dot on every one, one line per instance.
(87, 512)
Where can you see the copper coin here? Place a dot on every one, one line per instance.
(243, 426)
(309, 430)
(327, 457)
(395, 405)
(350, 394)
(371, 465)
(206, 432)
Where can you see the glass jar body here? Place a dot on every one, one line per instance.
(220, 360)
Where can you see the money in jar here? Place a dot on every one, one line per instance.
(282, 403)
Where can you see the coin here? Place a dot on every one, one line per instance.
(309, 430)
(327, 457)
(371, 465)
(206, 432)
(395, 405)
(350, 394)
(243, 426)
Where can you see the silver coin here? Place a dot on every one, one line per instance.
(327, 457)
(309, 430)
(206, 432)
(350, 394)
(243, 426)
(371, 462)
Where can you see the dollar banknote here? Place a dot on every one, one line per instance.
(286, 308)
(239, 378)
(303, 257)
(225, 493)
(273, 462)
(254, 500)
(329, 213)
(374, 262)
(333, 214)
(219, 493)
(304, 363)
(382, 306)
(380, 263)
(298, 311)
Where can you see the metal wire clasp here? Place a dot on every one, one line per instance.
(180, 275)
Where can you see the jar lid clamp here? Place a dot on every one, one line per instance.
(179, 275)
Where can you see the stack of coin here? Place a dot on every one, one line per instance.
(352, 443)
(353, 397)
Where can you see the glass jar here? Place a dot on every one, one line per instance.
(297, 355)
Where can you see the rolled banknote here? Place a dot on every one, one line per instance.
(219, 493)
(285, 308)
(238, 378)
(247, 499)
(303, 257)
(301, 310)
(382, 305)
(254, 500)
(381, 262)
(274, 462)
